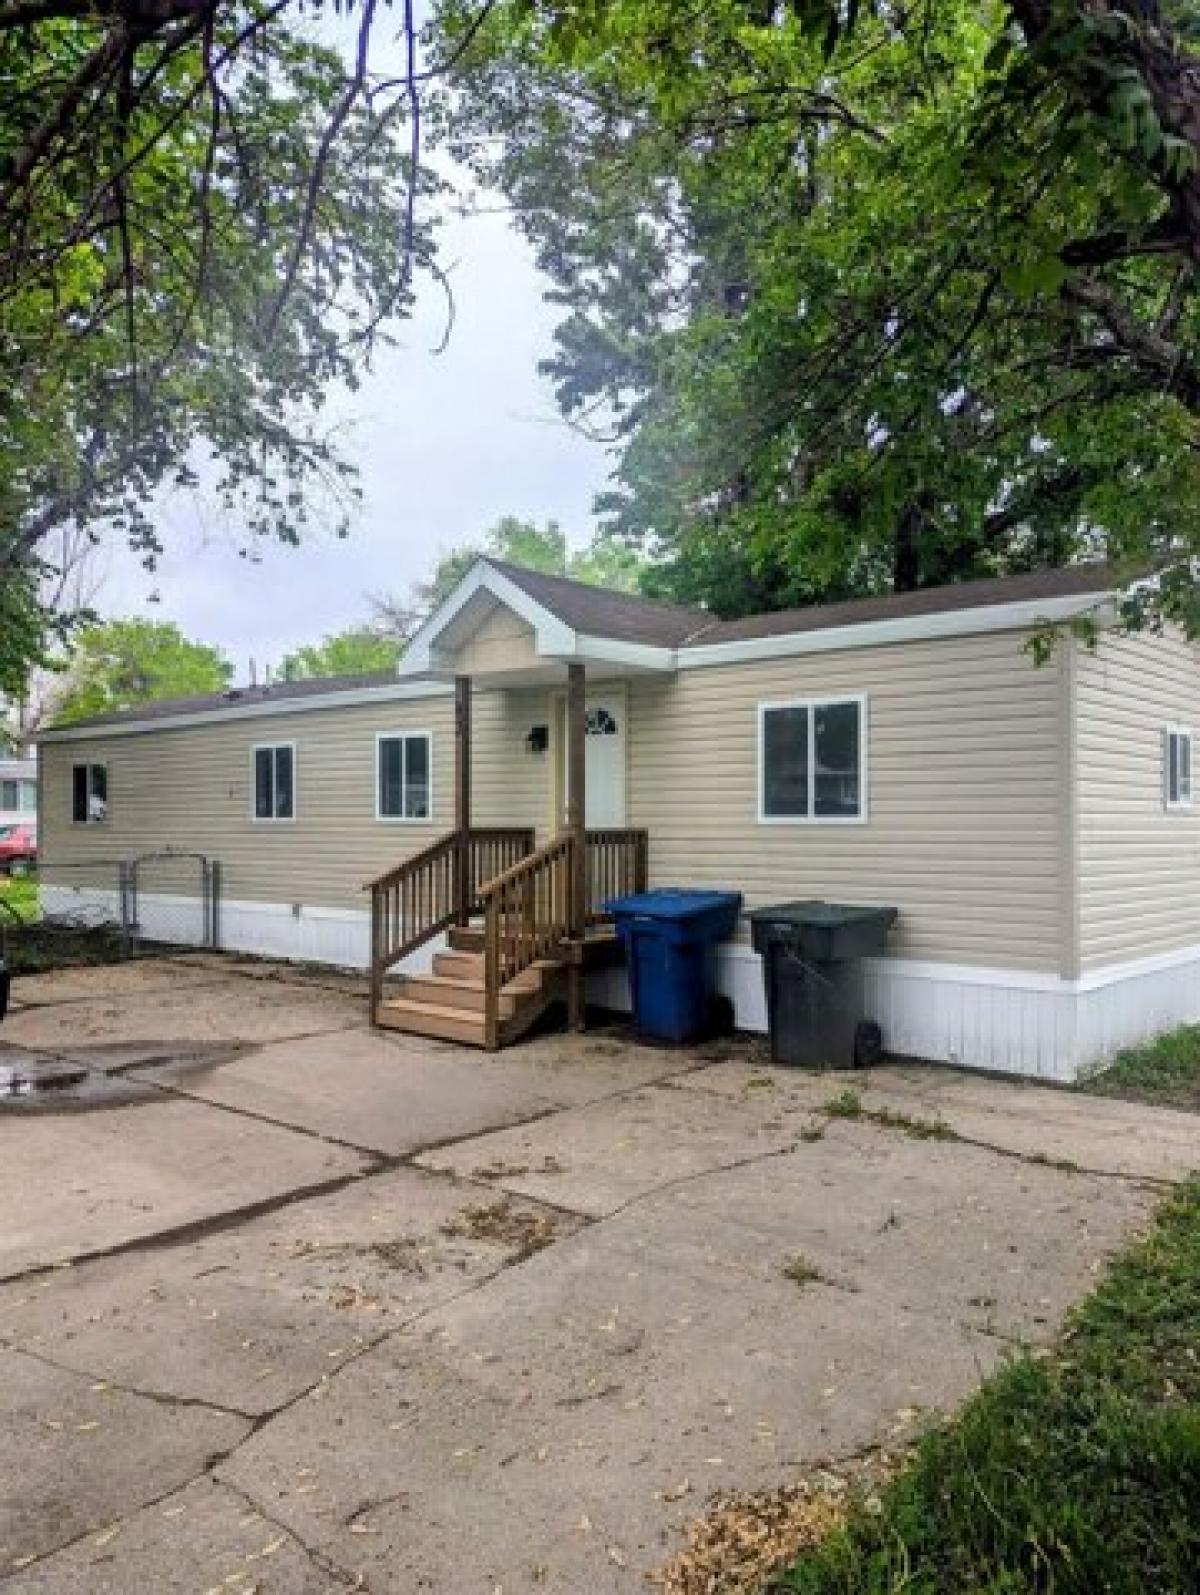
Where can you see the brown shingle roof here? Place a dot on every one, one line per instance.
(1070, 581)
(600, 612)
(237, 698)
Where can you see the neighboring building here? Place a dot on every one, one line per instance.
(18, 790)
(1034, 825)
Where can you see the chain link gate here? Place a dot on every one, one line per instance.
(171, 899)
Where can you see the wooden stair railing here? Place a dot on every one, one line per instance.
(527, 915)
(435, 888)
(616, 867)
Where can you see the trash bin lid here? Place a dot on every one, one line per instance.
(674, 903)
(815, 914)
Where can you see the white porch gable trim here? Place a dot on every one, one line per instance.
(553, 638)
(423, 655)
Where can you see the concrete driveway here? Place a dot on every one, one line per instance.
(287, 1306)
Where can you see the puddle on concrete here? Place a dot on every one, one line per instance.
(34, 1077)
(112, 1074)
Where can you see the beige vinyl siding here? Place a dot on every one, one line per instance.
(1139, 864)
(501, 642)
(190, 788)
(966, 778)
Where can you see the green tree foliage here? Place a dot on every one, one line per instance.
(121, 663)
(207, 218)
(357, 651)
(872, 296)
(606, 562)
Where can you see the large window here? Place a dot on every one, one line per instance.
(403, 784)
(275, 782)
(89, 793)
(812, 761)
(1177, 783)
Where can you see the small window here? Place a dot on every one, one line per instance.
(1178, 768)
(89, 793)
(812, 764)
(403, 781)
(275, 782)
(10, 792)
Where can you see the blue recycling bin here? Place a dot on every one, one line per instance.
(670, 938)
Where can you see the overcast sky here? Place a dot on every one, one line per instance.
(444, 444)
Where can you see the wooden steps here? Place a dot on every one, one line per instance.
(449, 1003)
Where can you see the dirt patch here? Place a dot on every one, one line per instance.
(743, 1539)
(519, 1229)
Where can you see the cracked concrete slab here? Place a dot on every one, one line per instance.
(105, 982)
(1026, 1119)
(191, 1010)
(201, 1540)
(733, 1286)
(111, 1176)
(597, 1158)
(557, 1428)
(75, 1455)
(395, 1094)
(250, 1317)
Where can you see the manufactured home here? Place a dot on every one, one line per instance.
(546, 745)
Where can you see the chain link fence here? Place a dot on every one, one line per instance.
(106, 910)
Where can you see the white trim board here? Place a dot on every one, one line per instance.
(388, 692)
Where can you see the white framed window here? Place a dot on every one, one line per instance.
(404, 775)
(1177, 767)
(89, 793)
(273, 781)
(812, 761)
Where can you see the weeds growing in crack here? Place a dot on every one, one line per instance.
(849, 1105)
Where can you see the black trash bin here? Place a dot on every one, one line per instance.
(812, 956)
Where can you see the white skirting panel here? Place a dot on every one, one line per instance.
(1011, 1021)
(1122, 1006)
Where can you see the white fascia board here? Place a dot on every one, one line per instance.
(914, 628)
(550, 634)
(398, 692)
(637, 655)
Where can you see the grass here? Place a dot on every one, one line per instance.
(1166, 1070)
(18, 899)
(1070, 1473)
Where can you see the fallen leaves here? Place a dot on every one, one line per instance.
(742, 1539)
(518, 1228)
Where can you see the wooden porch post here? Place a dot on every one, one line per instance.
(577, 826)
(462, 796)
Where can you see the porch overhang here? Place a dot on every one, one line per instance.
(437, 648)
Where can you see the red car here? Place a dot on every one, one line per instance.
(18, 848)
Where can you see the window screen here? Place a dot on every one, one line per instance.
(1179, 769)
(275, 783)
(89, 793)
(404, 777)
(785, 763)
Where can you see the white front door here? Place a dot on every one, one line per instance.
(604, 748)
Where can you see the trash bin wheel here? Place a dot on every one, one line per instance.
(868, 1044)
